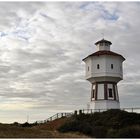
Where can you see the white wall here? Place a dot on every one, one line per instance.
(104, 47)
(117, 65)
(105, 66)
(100, 93)
(88, 62)
(98, 60)
(104, 104)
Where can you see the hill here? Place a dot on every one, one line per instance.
(36, 131)
(108, 124)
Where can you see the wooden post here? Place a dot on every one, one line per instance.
(91, 111)
(80, 112)
(75, 112)
(50, 118)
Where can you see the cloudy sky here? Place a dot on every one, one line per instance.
(42, 45)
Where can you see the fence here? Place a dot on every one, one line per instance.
(135, 109)
(90, 111)
(85, 111)
(56, 116)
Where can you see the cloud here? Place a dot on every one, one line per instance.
(42, 45)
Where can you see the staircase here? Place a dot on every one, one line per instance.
(56, 116)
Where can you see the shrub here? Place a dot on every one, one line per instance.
(99, 132)
(69, 126)
(26, 124)
(112, 123)
(111, 133)
(129, 132)
(85, 128)
(16, 124)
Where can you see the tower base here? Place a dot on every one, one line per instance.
(104, 105)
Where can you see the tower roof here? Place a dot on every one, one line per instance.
(98, 53)
(103, 41)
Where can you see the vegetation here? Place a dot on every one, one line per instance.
(108, 124)
(34, 130)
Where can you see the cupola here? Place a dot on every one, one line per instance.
(103, 45)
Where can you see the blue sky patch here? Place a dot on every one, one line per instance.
(109, 16)
(2, 34)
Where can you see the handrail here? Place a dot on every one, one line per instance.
(88, 111)
(56, 116)
(85, 111)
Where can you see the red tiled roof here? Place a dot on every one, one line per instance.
(98, 53)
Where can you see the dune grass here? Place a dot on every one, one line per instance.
(39, 131)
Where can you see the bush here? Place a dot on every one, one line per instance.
(129, 132)
(16, 124)
(85, 128)
(76, 126)
(112, 123)
(99, 132)
(69, 126)
(111, 133)
(26, 124)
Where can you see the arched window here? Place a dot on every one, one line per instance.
(88, 68)
(111, 66)
(98, 66)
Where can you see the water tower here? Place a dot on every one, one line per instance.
(104, 70)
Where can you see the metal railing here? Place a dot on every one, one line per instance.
(135, 109)
(56, 116)
(85, 111)
(90, 111)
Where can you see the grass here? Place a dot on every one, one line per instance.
(108, 124)
(39, 131)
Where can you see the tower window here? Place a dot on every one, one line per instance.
(111, 66)
(101, 44)
(106, 44)
(98, 66)
(93, 93)
(88, 68)
(120, 68)
(110, 92)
